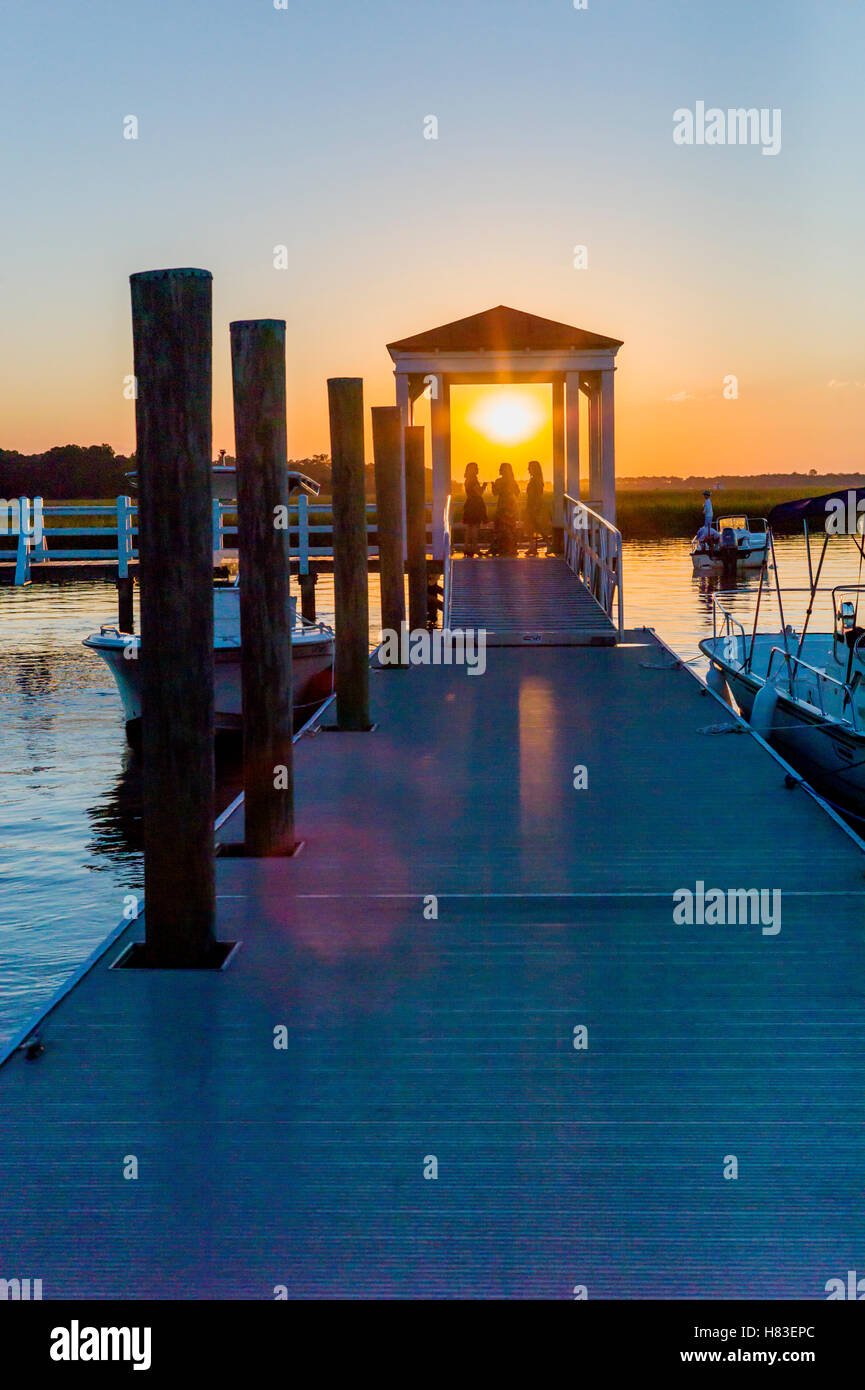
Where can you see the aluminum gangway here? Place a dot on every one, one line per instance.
(569, 600)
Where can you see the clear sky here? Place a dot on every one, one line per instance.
(304, 127)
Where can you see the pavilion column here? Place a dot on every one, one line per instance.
(595, 485)
(558, 462)
(440, 419)
(608, 446)
(403, 400)
(572, 471)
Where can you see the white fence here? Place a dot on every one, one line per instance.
(25, 521)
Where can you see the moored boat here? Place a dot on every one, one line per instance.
(737, 542)
(803, 691)
(311, 651)
(312, 644)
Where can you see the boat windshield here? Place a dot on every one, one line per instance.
(737, 523)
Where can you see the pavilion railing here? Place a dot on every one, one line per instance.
(593, 550)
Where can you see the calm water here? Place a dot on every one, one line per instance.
(69, 822)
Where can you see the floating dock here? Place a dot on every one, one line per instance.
(387, 1092)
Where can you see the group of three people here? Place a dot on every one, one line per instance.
(506, 522)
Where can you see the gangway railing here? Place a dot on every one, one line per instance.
(593, 550)
(447, 565)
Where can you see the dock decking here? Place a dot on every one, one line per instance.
(409, 1036)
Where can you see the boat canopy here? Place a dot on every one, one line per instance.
(301, 482)
(813, 508)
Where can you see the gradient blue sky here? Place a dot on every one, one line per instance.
(305, 127)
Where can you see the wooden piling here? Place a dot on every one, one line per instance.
(415, 511)
(387, 454)
(351, 596)
(125, 611)
(258, 379)
(307, 595)
(171, 325)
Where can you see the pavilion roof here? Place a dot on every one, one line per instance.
(502, 329)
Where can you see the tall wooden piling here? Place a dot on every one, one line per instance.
(387, 454)
(351, 597)
(258, 379)
(415, 511)
(171, 325)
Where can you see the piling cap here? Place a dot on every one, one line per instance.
(256, 323)
(182, 272)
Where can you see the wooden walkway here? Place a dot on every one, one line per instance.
(410, 1037)
(527, 601)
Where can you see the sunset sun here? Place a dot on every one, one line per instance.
(507, 417)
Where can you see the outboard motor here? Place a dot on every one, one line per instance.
(728, 552)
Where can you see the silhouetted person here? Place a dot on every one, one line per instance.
(535, 519)
(506, 521)
(474, 511)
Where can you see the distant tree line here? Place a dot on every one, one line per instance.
(697, 482)
(66, 472)
(74, 471)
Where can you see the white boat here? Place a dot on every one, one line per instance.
(311, 651)
(802, 691)
(312, 644)
(740, 543)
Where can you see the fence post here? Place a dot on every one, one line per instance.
(302, 533)
(124, 535)
(216, 510)
(125, 583)
(38, 531)
(171, 327)
(22, 557)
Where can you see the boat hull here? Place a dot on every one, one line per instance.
(312, 672)
(706, 563)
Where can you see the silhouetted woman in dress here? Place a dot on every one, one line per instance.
(474, 511)
(535, 519)
(507, 516)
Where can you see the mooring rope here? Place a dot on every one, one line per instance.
(671, 665)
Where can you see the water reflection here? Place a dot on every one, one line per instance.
(538, 762)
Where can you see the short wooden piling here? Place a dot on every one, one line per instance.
(125, 610)
(258, 379)
(307, 595)
(350, 583)
(171, 324)
(387, 454)
(415, 511)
